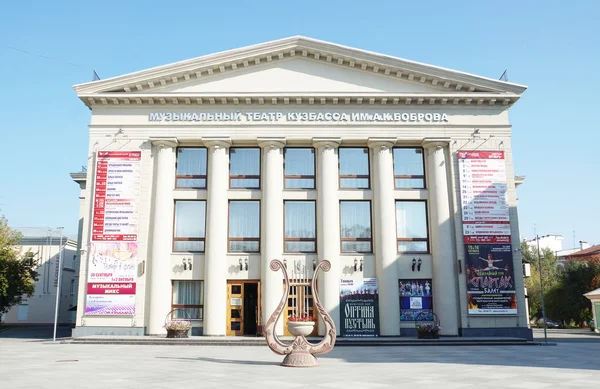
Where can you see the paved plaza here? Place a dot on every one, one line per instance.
(31, 362)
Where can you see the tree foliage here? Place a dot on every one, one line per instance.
(549, 275)
(17, 271)
(564, 288)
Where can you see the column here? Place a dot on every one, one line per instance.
(445, 293)
(384, 226)
(328, 227)
(215, 253)
(162, 232)
(271, 225)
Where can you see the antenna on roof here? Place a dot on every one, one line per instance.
(504, 76)
(95, 76)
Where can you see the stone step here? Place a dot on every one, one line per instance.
(248, 341)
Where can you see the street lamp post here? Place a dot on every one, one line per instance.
(58, 281)
(542, 290)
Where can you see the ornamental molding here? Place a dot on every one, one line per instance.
(164, 142)
(272, 143)
(296, 99)
(437, 143)
(138, 87)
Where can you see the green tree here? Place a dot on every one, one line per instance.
(550, 275)
(567, 301)
(17, 271)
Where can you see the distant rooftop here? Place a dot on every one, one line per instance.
(43, 233)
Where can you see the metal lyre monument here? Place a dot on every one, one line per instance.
(300, 352)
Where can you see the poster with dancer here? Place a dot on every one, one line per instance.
(359, 307)
(490, 279)
(416, 296)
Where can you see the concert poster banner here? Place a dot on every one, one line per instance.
(359, 307)
(490, 279)
(416, 296)
(112, 275)
(113, 254)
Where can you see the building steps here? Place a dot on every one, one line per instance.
(258, 341)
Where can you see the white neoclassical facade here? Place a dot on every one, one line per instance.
(202, 171)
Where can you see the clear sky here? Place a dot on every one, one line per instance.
(551, 46)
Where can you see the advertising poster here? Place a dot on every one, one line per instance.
(490, 279)
(116, 195)
(416, 296)
(359, 307)
(112, 266)
(112, 274)
(483, 186)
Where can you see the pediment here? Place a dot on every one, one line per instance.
(298, 66)
(298, 75)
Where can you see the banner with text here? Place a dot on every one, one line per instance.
(416, 296)
(112, 267)
(485, 212)
(359, 307)
(111, 280)
(490, 279)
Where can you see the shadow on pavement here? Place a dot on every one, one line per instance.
(42, 332)
(226, 361)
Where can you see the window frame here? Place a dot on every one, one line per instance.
(230, 239)
(301, 177)
(72, 287)
(405, 176)
(176, 239)
(193, 176)
(183, 306)
(357, 176)
(286, 239)
(427, 240)
(342, 239)
(247, 177)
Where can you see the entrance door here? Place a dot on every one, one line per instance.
(243, 307)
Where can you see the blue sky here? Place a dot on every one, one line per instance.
(551, 46)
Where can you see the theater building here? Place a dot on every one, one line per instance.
(201, 172)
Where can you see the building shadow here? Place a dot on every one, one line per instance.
(225, 361)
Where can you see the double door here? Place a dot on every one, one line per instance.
(243, 307)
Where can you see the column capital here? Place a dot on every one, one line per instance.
(435, 142)
(326, 142)
(217, 142)
(381, 143)
(164, 142)
(271, 142)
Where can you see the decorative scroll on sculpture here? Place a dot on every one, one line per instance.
(300, 352)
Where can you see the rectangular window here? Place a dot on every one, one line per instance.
(354, 168)
(244, 168)
(244, 226)
(409, 169)
(72, 288)
(355, 221)
(190, 225)
(188, 298)
(191, 167)
(300, 227)
(74, 263)
(411, 227)
(299, 168)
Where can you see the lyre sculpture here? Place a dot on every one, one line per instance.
(300, 352)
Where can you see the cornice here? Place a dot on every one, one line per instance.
(299, 98)
(298, 47)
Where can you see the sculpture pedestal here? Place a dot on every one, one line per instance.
(300, 358)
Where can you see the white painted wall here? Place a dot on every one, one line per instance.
(303, 75)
